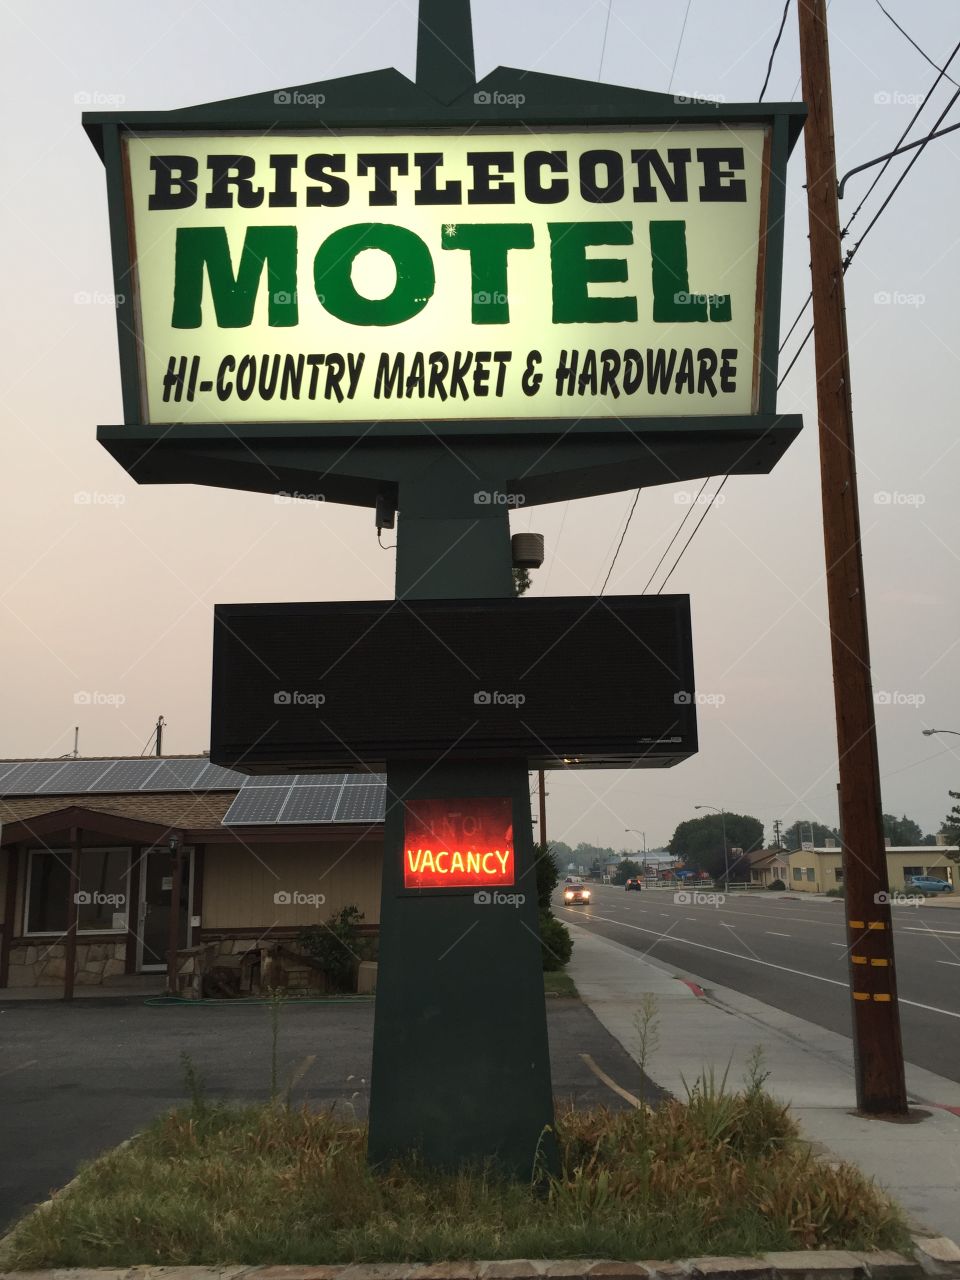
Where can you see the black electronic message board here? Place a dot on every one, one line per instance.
(578, 681)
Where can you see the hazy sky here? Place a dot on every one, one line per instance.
(107, 588)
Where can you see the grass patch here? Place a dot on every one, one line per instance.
(559, 983)
(720, 1173)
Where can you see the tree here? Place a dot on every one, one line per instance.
(951, 825)
(626, 871)
(548, 876)
(521, 581)
(700, 842)
(794, 837)
(902, 831)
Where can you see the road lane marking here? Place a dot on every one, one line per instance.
(610, 1083)
(767, 964)
(955, 963)
(773, 934)
(919, 928)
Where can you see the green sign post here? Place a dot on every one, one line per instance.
(450, 298)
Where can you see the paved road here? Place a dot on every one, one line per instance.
(791, 953)
(76, 1079)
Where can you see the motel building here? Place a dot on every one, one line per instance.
(257, 859)
(815, 870)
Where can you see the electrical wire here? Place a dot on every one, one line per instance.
(909, 38)
(693, 534)
(686, 517)
(773, 51)
(606, 29)
(866, 196)
(636, 499)
(676, 56)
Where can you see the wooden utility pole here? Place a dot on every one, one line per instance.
(878, 1052)
(543, 811)
(173, 940)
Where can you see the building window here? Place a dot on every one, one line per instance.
(810, 873)
(102, 900)
(910, 872)
(838, 874)
(798, 873)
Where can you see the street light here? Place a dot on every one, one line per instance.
(927, 733)
(643, 835)
(723, 824)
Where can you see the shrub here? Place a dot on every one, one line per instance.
(548, 875)
(336, 946)
(776, 884)
(555, 942)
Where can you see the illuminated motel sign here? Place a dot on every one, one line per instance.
(422, 297)
(497, 275)
(458, 844)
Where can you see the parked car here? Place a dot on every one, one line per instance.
(929, 884)
(633, 883)
(576, 895)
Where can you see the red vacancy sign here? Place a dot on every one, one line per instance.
(458, 844)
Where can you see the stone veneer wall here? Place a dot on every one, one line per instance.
(41, 964)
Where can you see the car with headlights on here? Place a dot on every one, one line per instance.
(576, 895)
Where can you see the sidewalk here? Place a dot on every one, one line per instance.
(918, 1162)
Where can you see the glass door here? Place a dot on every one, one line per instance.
(156, 903)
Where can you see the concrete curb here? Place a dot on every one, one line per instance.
(934, 1256)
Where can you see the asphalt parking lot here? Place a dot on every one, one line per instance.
(77, 1079)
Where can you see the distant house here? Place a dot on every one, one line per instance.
(261, 858)
(767, 865)
(815, 870)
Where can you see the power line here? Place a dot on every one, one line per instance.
(606, 29)
(636, 499)
(676, 56)
(906, 35)
(773, 51)
(686, 517)
(849, 258)
(693, 533)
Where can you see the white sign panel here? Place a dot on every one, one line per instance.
(611, 273)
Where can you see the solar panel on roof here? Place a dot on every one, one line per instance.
(28, 776)
(76, 776)
(310, 804)
(271, 780)
(256, 806)
(362, 804)
(175, 775)
(216, 778)
(366, 779)
(126, 775)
